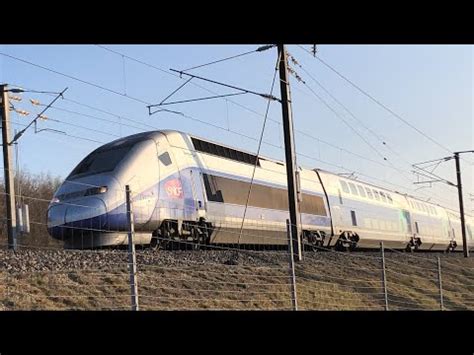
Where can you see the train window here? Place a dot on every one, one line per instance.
(376, 194)
(220, 189)
(344, 186)
(361, 190)
(417, 229)
(389, 198)
(354, 219)
(312, 204)
(212, 190)
(340, 197)
(382, 195)
(353, 189)
(165, 159)
(101, 160)
(229, 153)
(369, 193)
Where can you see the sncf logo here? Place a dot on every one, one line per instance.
(174, 189)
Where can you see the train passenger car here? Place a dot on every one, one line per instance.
(223, 178)
(365, 214)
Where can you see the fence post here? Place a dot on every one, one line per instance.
(441, 300)
(132, 260)
(8, 290)
(384, 276)
(294, 299)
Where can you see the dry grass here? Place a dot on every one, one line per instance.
(325, 281)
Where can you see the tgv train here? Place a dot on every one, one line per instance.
(184, 188)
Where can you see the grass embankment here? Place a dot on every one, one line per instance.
(325, 281)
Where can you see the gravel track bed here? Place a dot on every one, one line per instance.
(30, 260)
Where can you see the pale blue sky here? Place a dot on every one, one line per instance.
(429, 86)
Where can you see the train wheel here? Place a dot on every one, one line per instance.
(452, 246)
(347, 241)
(340, 246)
(154, 243)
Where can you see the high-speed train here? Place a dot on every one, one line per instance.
(187, 189)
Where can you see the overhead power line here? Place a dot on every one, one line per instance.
(344, 121)
(377, 101)
(378, 137)
(75, 78)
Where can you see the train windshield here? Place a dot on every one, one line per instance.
(102, 160)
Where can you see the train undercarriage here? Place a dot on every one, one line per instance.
(194, 235)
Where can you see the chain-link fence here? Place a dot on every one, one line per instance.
(226, 278)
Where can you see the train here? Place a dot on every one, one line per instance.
(185, 189)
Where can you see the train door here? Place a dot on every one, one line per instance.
(406, 221)
(337, 210)
(198, 192)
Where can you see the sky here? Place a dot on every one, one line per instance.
(430, 87)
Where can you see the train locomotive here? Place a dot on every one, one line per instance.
(190, 190)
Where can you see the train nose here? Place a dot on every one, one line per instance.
(85, 214)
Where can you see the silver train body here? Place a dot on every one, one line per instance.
(188, 189)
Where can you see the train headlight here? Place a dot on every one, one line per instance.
(96, 191)
(102, 189)
(55, 200)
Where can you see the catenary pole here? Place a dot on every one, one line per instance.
(289, 152)
(461, 206)
(7, 169)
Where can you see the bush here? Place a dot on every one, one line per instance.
(35, 190)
